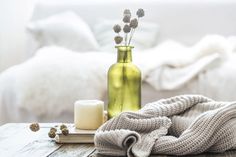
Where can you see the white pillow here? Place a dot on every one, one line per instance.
(144, 37)
(65, 30)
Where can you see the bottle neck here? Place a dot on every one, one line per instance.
(124, 54)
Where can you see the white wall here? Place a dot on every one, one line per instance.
(14, 14)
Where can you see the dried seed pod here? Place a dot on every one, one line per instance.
(34, 127)
(117, 28)
(53, 129)
(127, 12)
(65, 131)
(63, 126)
(133, 23)
(126, 28)
(140, 13)
(118, 39)
(51, 134)
(126, 18)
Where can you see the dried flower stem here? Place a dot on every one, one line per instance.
(132, 34)
(126, 36)
(121, 41)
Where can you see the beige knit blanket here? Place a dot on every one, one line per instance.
(187, 124)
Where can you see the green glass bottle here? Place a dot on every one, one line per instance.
(124, 84)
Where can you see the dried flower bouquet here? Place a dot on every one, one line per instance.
(129, 27)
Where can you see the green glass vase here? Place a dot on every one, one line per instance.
(124, 84)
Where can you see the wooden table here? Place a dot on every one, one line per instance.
(16, 140)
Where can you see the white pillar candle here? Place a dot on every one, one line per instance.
(88, 114)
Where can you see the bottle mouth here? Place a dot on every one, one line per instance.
(123, 46)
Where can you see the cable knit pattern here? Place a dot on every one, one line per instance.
(186, 124)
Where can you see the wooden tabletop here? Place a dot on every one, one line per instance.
(17, 140)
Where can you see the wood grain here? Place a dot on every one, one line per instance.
(18, 140)
(74, 150)
(226, 154)
(39, 148)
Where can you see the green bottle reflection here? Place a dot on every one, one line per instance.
(124, 84)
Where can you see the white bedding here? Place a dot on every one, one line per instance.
(45, 87)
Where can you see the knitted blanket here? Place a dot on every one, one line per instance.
(186, 124)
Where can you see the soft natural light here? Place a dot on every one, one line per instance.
(132, 78)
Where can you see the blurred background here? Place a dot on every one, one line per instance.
(54, 52)
(14, 16)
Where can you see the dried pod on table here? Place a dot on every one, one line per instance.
(34, 127)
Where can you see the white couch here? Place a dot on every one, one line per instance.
(183, 21)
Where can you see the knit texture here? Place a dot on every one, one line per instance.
(186, 124)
